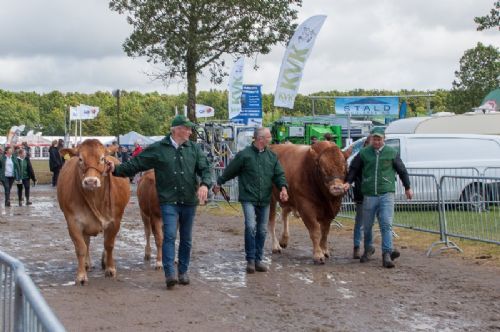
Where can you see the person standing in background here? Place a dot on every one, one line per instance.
(7, 172)
(55, 162)
(24, 174)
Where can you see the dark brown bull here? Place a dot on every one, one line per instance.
(315, 176)
(93, 202)
(151, 215)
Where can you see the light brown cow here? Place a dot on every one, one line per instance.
(93, 202)
(151, 215)
(315, 176)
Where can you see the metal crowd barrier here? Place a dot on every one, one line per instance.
(22, 307)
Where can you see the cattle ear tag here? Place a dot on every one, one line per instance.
(71, 152)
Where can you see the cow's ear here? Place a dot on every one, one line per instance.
(313, 154)
(72, 152)
(110, 150)
(347, 153)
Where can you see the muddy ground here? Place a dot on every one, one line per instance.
(421, 294)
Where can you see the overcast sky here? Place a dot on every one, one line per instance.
(74, 45)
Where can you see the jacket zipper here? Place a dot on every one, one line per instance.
(377, 153)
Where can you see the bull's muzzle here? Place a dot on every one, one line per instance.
(91, 183)
(337, 188)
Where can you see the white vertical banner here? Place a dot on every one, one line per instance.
(298, 50)
(235, 87)
(73, 113)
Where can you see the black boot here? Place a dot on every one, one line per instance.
(28, 202)
(367, 254)
(395, 254)
(356, 253)
(387, 261)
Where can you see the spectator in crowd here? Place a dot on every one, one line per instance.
(257, 169)
(378, 165)
(8, 172)
(327, 137)
(314, 139)
(177, 163)
(27, 148)
(55, 162)
(137, 149)
(24, 174)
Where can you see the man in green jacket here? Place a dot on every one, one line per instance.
(177, 162)
(378, 165)
(257, 169)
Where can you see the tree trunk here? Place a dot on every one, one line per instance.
(191, 88)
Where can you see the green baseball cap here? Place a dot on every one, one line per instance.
(181, 120)
(378, 131)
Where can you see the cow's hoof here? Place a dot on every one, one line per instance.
(319, 261)
(158, 266)
(110, 273)
(277, 250)
(284, 242)
(81, 281)
(327, 254)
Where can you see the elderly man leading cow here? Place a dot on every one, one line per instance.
(176, 162)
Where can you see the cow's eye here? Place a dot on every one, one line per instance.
(102, 160)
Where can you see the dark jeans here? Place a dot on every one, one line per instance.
(55, 176)
(7, 185)
(26, 185)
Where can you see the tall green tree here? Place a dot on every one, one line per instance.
(491, 21)
(479, 73)
(188, 37)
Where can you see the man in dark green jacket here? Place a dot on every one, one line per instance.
(257, 169)
(378, 165)
(177, 162)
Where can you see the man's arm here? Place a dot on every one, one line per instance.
(400, 168)
(354, 170)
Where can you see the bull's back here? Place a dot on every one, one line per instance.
(293, 159)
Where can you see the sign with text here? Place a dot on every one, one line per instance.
(251, 106)
(367, 106)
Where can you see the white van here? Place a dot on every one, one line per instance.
(457, 155)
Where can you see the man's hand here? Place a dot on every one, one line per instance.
(283, 194)
(409, 193)
(346, 186)
(202, 194)
(216, 189)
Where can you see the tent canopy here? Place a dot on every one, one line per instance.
(132, 137)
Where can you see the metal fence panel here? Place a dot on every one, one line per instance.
(475, 214)
(22, 307)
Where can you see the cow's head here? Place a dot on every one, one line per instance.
(91, 162)
(331, 166)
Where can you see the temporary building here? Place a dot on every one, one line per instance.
(473, 123)
(130, 138)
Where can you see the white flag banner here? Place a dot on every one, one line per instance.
(73, 113)
(204, 111)
(235, 87)
(83, 112)
(298, 50)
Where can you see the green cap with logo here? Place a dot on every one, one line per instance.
(378, 131)
(181, 120)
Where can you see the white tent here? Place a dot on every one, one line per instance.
(132, 137)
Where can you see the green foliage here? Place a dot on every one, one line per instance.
(489, 21)
(479, 74)
(187, 37)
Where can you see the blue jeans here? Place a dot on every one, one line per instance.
(171, 213)
(256, 218)
(383, 207)
(358, 225)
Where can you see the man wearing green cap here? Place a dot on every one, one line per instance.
(378, 165)
(177, 162)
